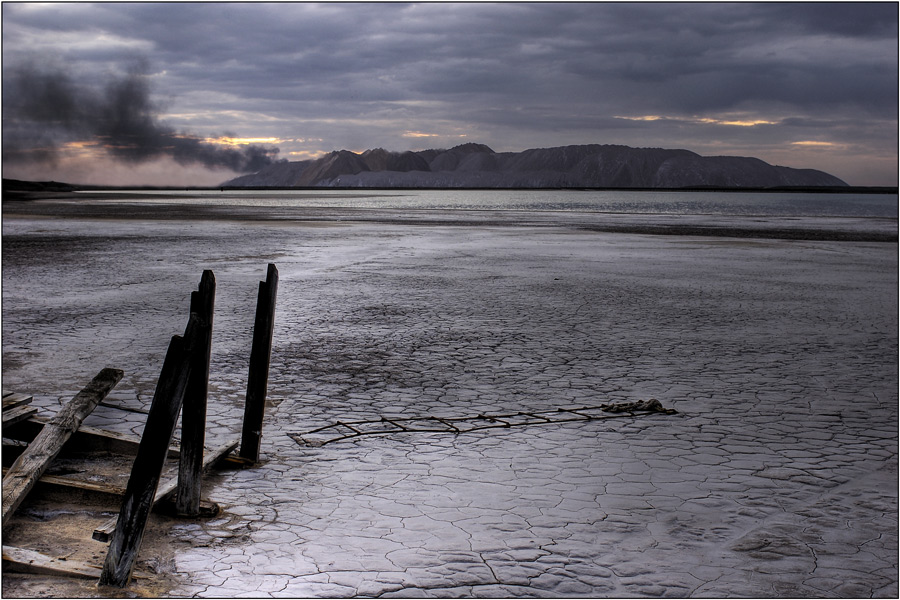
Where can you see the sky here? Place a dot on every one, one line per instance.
(194, 94)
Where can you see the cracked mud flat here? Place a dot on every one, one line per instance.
(778, 477)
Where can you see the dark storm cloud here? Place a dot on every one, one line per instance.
(44, 108)
(508, 74)
(708, 56)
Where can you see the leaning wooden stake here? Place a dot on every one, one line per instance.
(151, 456)
(260, 353)
(193, 414)
(32, 463)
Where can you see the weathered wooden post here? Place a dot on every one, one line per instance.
(260, 354)
(32, 463)
(193, 413)
(151, 456)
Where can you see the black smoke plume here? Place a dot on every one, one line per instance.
(44, 109)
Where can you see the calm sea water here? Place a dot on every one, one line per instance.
(639, 202)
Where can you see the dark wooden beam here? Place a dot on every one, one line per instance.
(193, 414)
(148, 464)
(260, 355)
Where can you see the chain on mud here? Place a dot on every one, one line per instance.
(344, 430)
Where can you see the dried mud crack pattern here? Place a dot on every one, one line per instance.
(777, 478)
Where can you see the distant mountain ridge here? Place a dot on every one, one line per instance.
(478, 166)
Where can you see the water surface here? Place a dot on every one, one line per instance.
(779, 204)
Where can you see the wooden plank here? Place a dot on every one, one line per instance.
(148, 464)
(32, 463)
(71, 482)
(86, 439)
(91, 438)
(193, 413)
(18, 413)
(11, 400)
(23, 560)
(260, 355)
(81, 484)
(212, 456)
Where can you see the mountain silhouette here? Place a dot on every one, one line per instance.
(478, 166)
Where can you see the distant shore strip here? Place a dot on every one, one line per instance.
(68, 208)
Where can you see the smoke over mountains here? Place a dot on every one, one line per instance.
(45, 110)
(478, 166)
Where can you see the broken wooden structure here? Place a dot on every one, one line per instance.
(32, 463)
(181, 388)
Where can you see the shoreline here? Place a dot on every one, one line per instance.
(25, 190)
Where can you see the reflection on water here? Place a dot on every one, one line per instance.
(640, 202)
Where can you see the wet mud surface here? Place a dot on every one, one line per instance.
(777, 477)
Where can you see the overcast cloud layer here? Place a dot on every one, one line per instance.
(802, 85)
